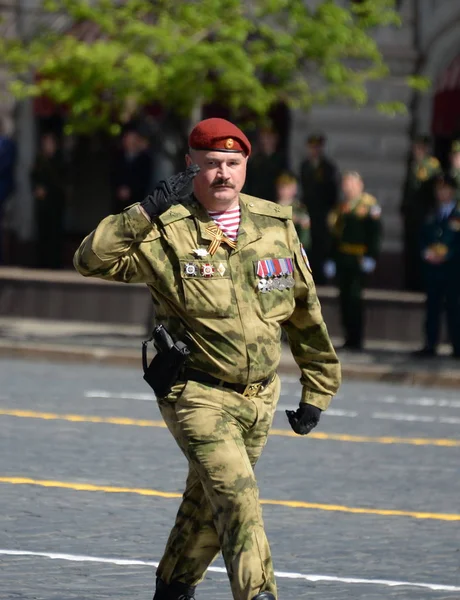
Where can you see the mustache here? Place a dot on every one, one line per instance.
(220, 182)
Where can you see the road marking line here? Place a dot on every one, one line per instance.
(279, 574)
(91, 487)
(120, 396)
(423, 401)
(416, 418)
(331, 412)
(338, 437)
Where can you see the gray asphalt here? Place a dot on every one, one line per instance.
(413, 478)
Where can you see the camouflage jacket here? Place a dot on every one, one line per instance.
(215, 303)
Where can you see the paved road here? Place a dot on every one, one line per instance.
(72, 436)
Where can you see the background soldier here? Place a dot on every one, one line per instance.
(265, 167)
(131, 170)
(49, 179)
(287, 190)
(417, 202)
(441, 267)
(225, 271)
(320, 189)
(454, 159)
(356, 235)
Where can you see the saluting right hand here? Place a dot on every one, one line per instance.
(168, 192)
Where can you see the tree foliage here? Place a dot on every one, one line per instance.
(244, 54)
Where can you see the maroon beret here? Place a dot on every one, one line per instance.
(220, 135)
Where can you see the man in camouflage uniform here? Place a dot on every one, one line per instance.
(440, 250)
(356, 232)
(227, 299)
(417, 202)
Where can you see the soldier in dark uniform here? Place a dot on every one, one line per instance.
(320, 190)
(455, 163)
(131, 171)
(268, 163)
(440, 247)
(48, 180)
(417, 202)
(356, 235)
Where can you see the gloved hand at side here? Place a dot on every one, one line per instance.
(368, 264)
(304, 419)
(329, 269)
(168, 192)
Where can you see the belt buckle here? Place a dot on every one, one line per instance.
(251, 390)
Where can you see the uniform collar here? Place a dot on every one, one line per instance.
(247, 233)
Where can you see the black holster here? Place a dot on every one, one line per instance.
(164, 369)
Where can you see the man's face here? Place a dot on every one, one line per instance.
(455, 160)
(221, 177)
(287, 192)
(444, 193)
(314, 151)
(268, 140)
(130, 142)
(352, 187)
(48, 145)
(419, 151)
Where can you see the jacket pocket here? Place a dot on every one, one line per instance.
(208, 289)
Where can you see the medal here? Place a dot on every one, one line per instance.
(190, 269)
(276, 283)
(207, 270)
(263, 286)
(221, 269)
(200, 252)
(282, 283)
(290, 282)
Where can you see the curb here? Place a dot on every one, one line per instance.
(382, 373)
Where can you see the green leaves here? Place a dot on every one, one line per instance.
(244, 54)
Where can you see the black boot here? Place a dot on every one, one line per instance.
(264, 596)
(176, 590)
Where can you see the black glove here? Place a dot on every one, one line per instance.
(304, 419)
(168, 192)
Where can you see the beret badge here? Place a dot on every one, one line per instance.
(229, 143)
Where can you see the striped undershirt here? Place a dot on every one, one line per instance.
(227, 220)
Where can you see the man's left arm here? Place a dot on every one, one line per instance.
(308, 336)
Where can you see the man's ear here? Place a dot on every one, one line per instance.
(188, 160)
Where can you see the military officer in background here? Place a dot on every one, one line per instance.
(440, 249)
(320, 183)
(454, 159)
(287, 190)
(225, 272)
(356, 231)
(417, 202)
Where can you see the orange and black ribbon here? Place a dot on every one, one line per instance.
(219, 237)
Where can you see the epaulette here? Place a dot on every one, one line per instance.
(266, 208)
(368, 199)
(175, 213)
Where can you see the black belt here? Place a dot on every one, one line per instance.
(252, 389)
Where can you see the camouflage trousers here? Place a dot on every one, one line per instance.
(222, 434)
